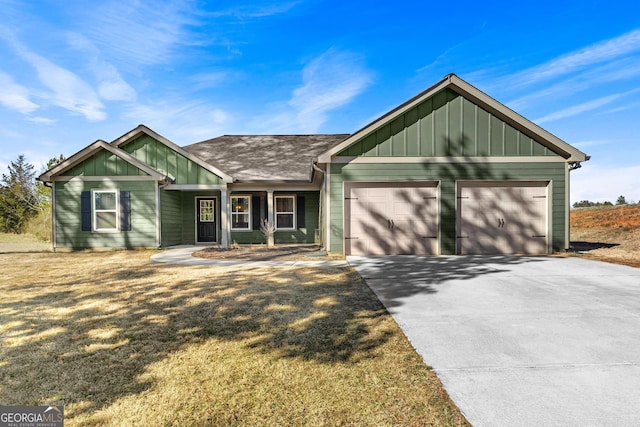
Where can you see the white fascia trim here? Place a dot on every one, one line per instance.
(100, 178)
(90, 150)
(457, 159)
(248, 187)
(194, 187)
(144, 129)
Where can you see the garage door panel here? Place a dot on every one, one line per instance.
(391, 218)
(502, 217)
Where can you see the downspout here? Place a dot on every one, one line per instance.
(165, 181)
(324, 232)
(571, 166)
(53, 213)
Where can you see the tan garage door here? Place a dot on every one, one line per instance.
(391, 218)
(502, 217)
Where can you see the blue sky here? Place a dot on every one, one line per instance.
(72, 72)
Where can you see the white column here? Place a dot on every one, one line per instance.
(224, 219)
(270, 212)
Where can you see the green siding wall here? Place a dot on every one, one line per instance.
(188, 219)
(164, 159)
(447, 174)
(446, 124)
(68, 215)
(104, 163)
(171, 217)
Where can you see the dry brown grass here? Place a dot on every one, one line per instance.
(122, 341)
(608, 233)
(12, 243)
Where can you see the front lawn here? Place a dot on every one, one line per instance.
(10, 242)
(122, 341)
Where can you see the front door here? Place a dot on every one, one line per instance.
(206, 220)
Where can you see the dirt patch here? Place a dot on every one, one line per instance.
(264, 253)
(610, 234)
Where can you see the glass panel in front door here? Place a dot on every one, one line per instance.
(207, 212)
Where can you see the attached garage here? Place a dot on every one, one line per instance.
(450, 171)
(502, 217)
(391, 218)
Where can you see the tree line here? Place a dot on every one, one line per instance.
(25, 204)
(587, 204)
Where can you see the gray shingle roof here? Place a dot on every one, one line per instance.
(265, 157)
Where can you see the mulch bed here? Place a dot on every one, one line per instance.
(264, 253)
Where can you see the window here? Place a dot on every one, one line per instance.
(240, 212)
(285, 212)
(105, 210)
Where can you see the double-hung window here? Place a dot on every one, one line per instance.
(241, 212)
(285, 212)
(105, 210)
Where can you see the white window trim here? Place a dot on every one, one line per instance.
(94, 211)
(243, 196)
(276, 212)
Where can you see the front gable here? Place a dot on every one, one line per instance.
(104, 163)
(452, 119)
(100, 159)
(446, 124)
(177, 167)
(157, 151)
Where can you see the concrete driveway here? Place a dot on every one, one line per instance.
(521, 341)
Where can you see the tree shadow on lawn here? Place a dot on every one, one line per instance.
(84, 338)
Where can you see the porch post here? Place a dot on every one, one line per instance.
(224, 220)
(270, 216)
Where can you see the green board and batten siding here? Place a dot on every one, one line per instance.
(446, 124)
(168, 161)
(104, 163)
(171, 212)
(68, 218)
(447, 174)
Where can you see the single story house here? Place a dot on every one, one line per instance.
(450, 171)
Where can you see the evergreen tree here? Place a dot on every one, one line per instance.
(621, 201)
(19, 200)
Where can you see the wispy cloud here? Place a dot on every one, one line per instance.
(614, 71)
(578, 109)
(15, 96)
(246, 11)
(68, 90)
(111, 85)
(597, 53)
(176, 118)
(329, 81)
(42, 120)
(583, 107)
(139, 32)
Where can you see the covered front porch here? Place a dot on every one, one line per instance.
(222, 216)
